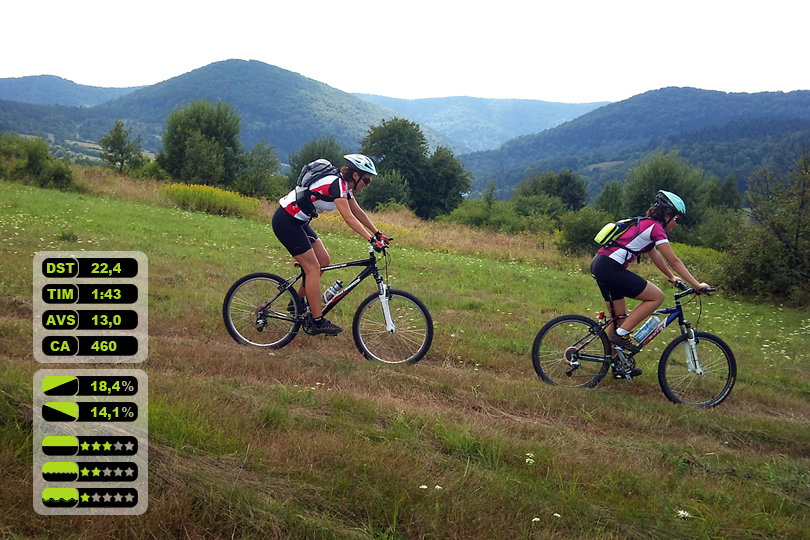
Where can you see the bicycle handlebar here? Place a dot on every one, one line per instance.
(690, 290)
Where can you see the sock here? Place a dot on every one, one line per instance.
(622, 331)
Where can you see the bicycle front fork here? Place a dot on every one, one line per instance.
(690, 351)
(389, 322)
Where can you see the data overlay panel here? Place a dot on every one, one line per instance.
(90, 441)
(90, 307)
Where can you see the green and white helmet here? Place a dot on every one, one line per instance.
(667, 199)
(361, 163)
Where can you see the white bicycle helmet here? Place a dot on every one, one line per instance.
(361, 163)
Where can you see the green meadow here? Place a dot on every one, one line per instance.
(314, 441)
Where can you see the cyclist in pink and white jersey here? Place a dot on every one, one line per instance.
(293, 229)
(609, 266)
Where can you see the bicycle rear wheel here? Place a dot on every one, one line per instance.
(559, 349)
(412, 334)
(682, 381)
(261, 310)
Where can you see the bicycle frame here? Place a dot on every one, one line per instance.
(369, 269)
(672, 314)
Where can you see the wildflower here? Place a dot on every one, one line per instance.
(683, 514)
(438, 487)
(556, 515)
(535, 519)
(423, 486)
(529, 461)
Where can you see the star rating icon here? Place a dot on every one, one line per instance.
(108, 498)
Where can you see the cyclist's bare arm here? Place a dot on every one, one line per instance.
(658, 260)
(361, 215)
(344, 207)
(678, 267)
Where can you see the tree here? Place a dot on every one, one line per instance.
(781, 204)
(398, 144)
(201, 144)
(437, 183)
(258, 176)
(661, 171)
(385, 188)
(444, 187)
(570, 188)
(610, 199)
(119, 149)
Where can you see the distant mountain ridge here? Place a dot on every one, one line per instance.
(685, 119)
(484, 124)
(52, 90)
(280, 107)
(722, 133)
(258, 91)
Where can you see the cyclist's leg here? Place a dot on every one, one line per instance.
(651, 299)
(312, 280)
(292, 233)
(320, 252)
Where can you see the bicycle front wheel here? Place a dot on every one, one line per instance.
(571, 350)
(261, 310)
(409, 339)
(701, 379)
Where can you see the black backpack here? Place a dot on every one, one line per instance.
(311, 173)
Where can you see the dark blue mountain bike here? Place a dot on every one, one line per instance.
(696, 368)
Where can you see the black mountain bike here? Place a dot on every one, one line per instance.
(390, 326)
(696, 368)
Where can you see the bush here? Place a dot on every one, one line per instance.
(57, 174)
(758, 266)
(29, 161)
(212, 200)
(578, 229)
(492, 215)
(704, 263)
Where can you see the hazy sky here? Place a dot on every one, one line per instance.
(561, 50)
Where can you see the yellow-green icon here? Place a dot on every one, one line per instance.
(60, 497)
(60, 471)
(60, 411)
(60, 385)
(60, 445)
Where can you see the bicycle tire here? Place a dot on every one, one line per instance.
(274, 327)
(412, 337)
(556, 338)
(683, 386)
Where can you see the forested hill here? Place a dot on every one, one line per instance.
(52, 90)
(280, 107)
(483, 124)
(723, 133)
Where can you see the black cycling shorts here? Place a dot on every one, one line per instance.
(295, 235)
(616, 281)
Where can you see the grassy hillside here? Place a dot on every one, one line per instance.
(313, 441)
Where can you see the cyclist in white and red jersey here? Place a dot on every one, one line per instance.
(293, 229)
(609, 266)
